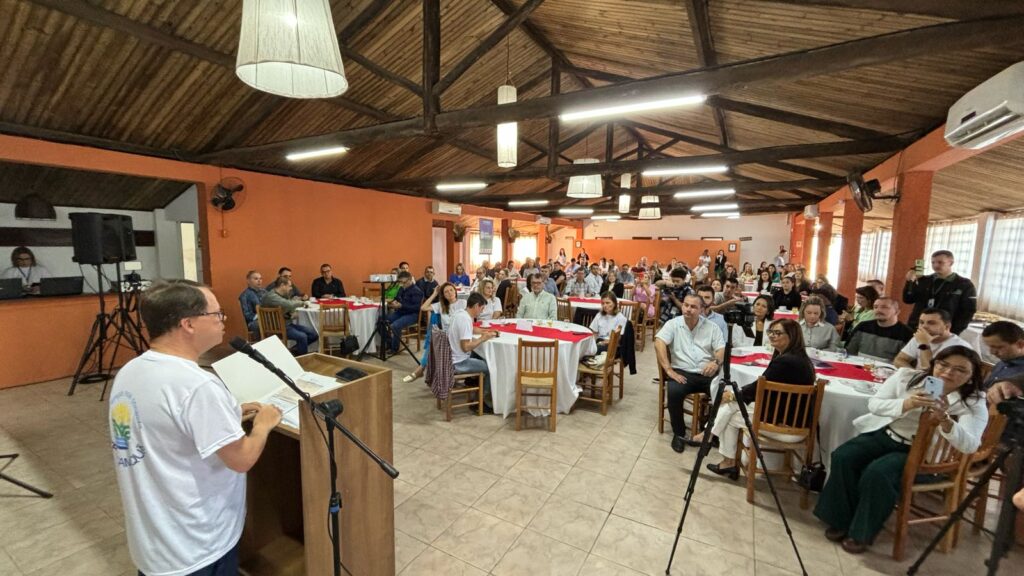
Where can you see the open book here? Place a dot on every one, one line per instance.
(249, 381)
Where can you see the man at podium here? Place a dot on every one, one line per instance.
(180, 454)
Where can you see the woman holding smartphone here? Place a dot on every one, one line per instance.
(863, 483)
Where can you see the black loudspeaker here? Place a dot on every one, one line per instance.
(102, 238)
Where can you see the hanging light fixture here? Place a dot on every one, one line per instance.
(290, 49)
(508, 133)
(625, 182)
(649, 208)
(588, 185)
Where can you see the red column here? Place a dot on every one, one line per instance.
(849, 259)
(506, 246)
(449, 246)
(796, 238)
(824, 241)
(909, 229)
(542, 242)
(808, 240)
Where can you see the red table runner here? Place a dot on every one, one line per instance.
(585, 300)
(539, 332)
(347, 304)
(834, 370)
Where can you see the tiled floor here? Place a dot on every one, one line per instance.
(601, 496)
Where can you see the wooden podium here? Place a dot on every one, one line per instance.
(287, 521)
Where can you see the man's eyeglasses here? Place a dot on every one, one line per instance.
(218, 314)
(775, 333)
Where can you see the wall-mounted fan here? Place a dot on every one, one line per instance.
(865, 193)
(228, 194)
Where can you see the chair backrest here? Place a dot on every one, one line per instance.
(564, 309)
(629, 309)
(613, 352)
(990, 438)
(627, 293)
(511, 297)
(787, 408)
(929, 454)
(271, 321)
(657, 307)
(333, 318)
(538, 359)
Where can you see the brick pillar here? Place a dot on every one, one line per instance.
(909, 229)
(849, 259)
(824, 241)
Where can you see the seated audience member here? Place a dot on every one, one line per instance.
(280, 297)
(878, 285)
(863, 483)
(764, 282)
(250, 298)
(690, 350)
(787, 297)
(558, 277)
(944, 289)
(655, 272)
(327, 286)
(405, 308)
(25, 268)
(537, 304)
(817, 332)
(833, 301)
(729, 273)
(512, 270)
(673, 292)
(700, 273)
(864, 309)
(459, 277)
(481, 273)
(763, 309)
(427, 284)
(716, 285)
(285, 273)
(529, 267)
(625, 274)
(708, 296)
(442, 303)
(644, 295)
(612, 284)
(883, 337)
(577, 285)
(492, 311)
(789, 365)
(391, 292)
(607, 321)
(460, 338)
(932, 335)
(504, 283)
(549, 285)
(403, 266)
(570, 269)
(774, 271)
(731, 295)
(800, 279)
(748, 276)
(1005, 340)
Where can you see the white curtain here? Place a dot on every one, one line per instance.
(524, 247)
(476, 258)
(867, 254)
(958, 237)
(1002, 291)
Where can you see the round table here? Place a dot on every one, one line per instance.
(501, 355)
(362, 319)
(844, 400)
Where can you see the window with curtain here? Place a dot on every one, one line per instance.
(524, 247)
(958, 237)
(1001, 292)
(881, 267)
(476, 259)
(867, 253)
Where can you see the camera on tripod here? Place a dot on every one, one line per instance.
(741, 314)
(1013, 409)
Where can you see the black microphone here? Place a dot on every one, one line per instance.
(245, 348)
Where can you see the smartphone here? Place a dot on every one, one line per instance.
(919, 267)
(933, 386)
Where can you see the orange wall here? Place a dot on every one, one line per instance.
(661, 250)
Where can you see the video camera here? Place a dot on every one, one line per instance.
(741, 314)
(1013, 409)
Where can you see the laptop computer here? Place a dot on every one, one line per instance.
(11, 288)
(60, 286)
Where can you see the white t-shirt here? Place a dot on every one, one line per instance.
(911, 348)
(183, 507)
(462, 329)
(28, 275)
(493, 305)
(446, 319)
(605, 324)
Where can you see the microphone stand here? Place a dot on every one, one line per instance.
(328, 412)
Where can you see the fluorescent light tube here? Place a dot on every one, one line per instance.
(720, 215)
(623, 109)
(316, 153)
(712, 169)
(712, 207)
(461, 186)
(576, 211)
(514, 203)
(705, 193)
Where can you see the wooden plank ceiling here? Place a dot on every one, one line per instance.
(157, 78)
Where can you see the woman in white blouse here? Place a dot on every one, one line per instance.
(492, 310)
(607, 321)
(863, 482)
(443, 304)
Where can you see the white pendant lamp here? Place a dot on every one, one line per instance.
(587, 186)
(625, 182)
(289, 48)
(649, 208)
(508, 133)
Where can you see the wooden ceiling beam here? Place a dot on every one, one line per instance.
(373, 67)
(795, 119)
(601, 75)
(511, 23)
(371, 11)
(700, 28)
(431, 63)
(940, 8)
(684, 207)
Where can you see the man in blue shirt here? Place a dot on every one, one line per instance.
(405, 308)
(427, 284)
(707, 294)
(250, 299)
(1005, 340)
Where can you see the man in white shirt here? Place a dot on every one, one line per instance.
(578, 285)
(462, 343)
(933, 334)
(690, 350)
(537, 304)
(180, 454)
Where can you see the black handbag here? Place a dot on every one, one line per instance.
(812, 474)
(349, 346)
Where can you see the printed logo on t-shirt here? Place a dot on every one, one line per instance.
(123, 413)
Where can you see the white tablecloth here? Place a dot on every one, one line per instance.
(361, 322)
(972, 334)
(501, 355)
(841, 404)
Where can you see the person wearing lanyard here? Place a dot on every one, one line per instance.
(25, 267)
(944, 289)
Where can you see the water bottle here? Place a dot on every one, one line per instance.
(843, 354)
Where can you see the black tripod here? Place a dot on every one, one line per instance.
(1009, 456)
(383, 329)
(11, 458)
(705, 447)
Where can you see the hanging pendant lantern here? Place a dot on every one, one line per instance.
(649, 208)
(625, 182)
(587, 186)
(508, 133)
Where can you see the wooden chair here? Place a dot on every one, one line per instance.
(564, 309)
(795, 411)
(698, 411)
(537, 369)
(975, 464)
(271, 322)
(627, 293)
(333, 324)
(594, 392)
(372, 292)
(650, 321)
(631, 310)
(511, 303)
(415, 330)
(932, 457)
(438, 339)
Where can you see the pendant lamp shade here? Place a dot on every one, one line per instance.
(625, 181)
(649, 208)
(289, 48)
(587, 186)
(508, 133)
